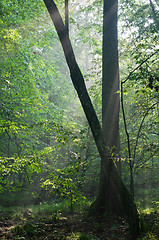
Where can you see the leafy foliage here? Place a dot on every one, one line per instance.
(46, 147)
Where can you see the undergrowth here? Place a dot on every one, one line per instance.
(56, 221)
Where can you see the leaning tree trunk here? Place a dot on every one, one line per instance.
(109, 172)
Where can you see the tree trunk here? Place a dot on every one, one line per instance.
(109, 172)
(110, 79)
(66, 16)
(107, 200)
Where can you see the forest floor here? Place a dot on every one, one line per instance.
(75, 226)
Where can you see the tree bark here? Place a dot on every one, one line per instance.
(109, 173)
(66, 16)
(107, 199)
(110, 79)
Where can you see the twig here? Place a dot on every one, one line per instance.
(140, 165)
(137, 138)
(138, 67)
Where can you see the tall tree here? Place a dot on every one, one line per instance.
(110, 80)
(109, 173)
(107, 198)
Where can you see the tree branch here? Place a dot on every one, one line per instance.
(142, 164)
(137, 138)
(144, 61)
(125, 124)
